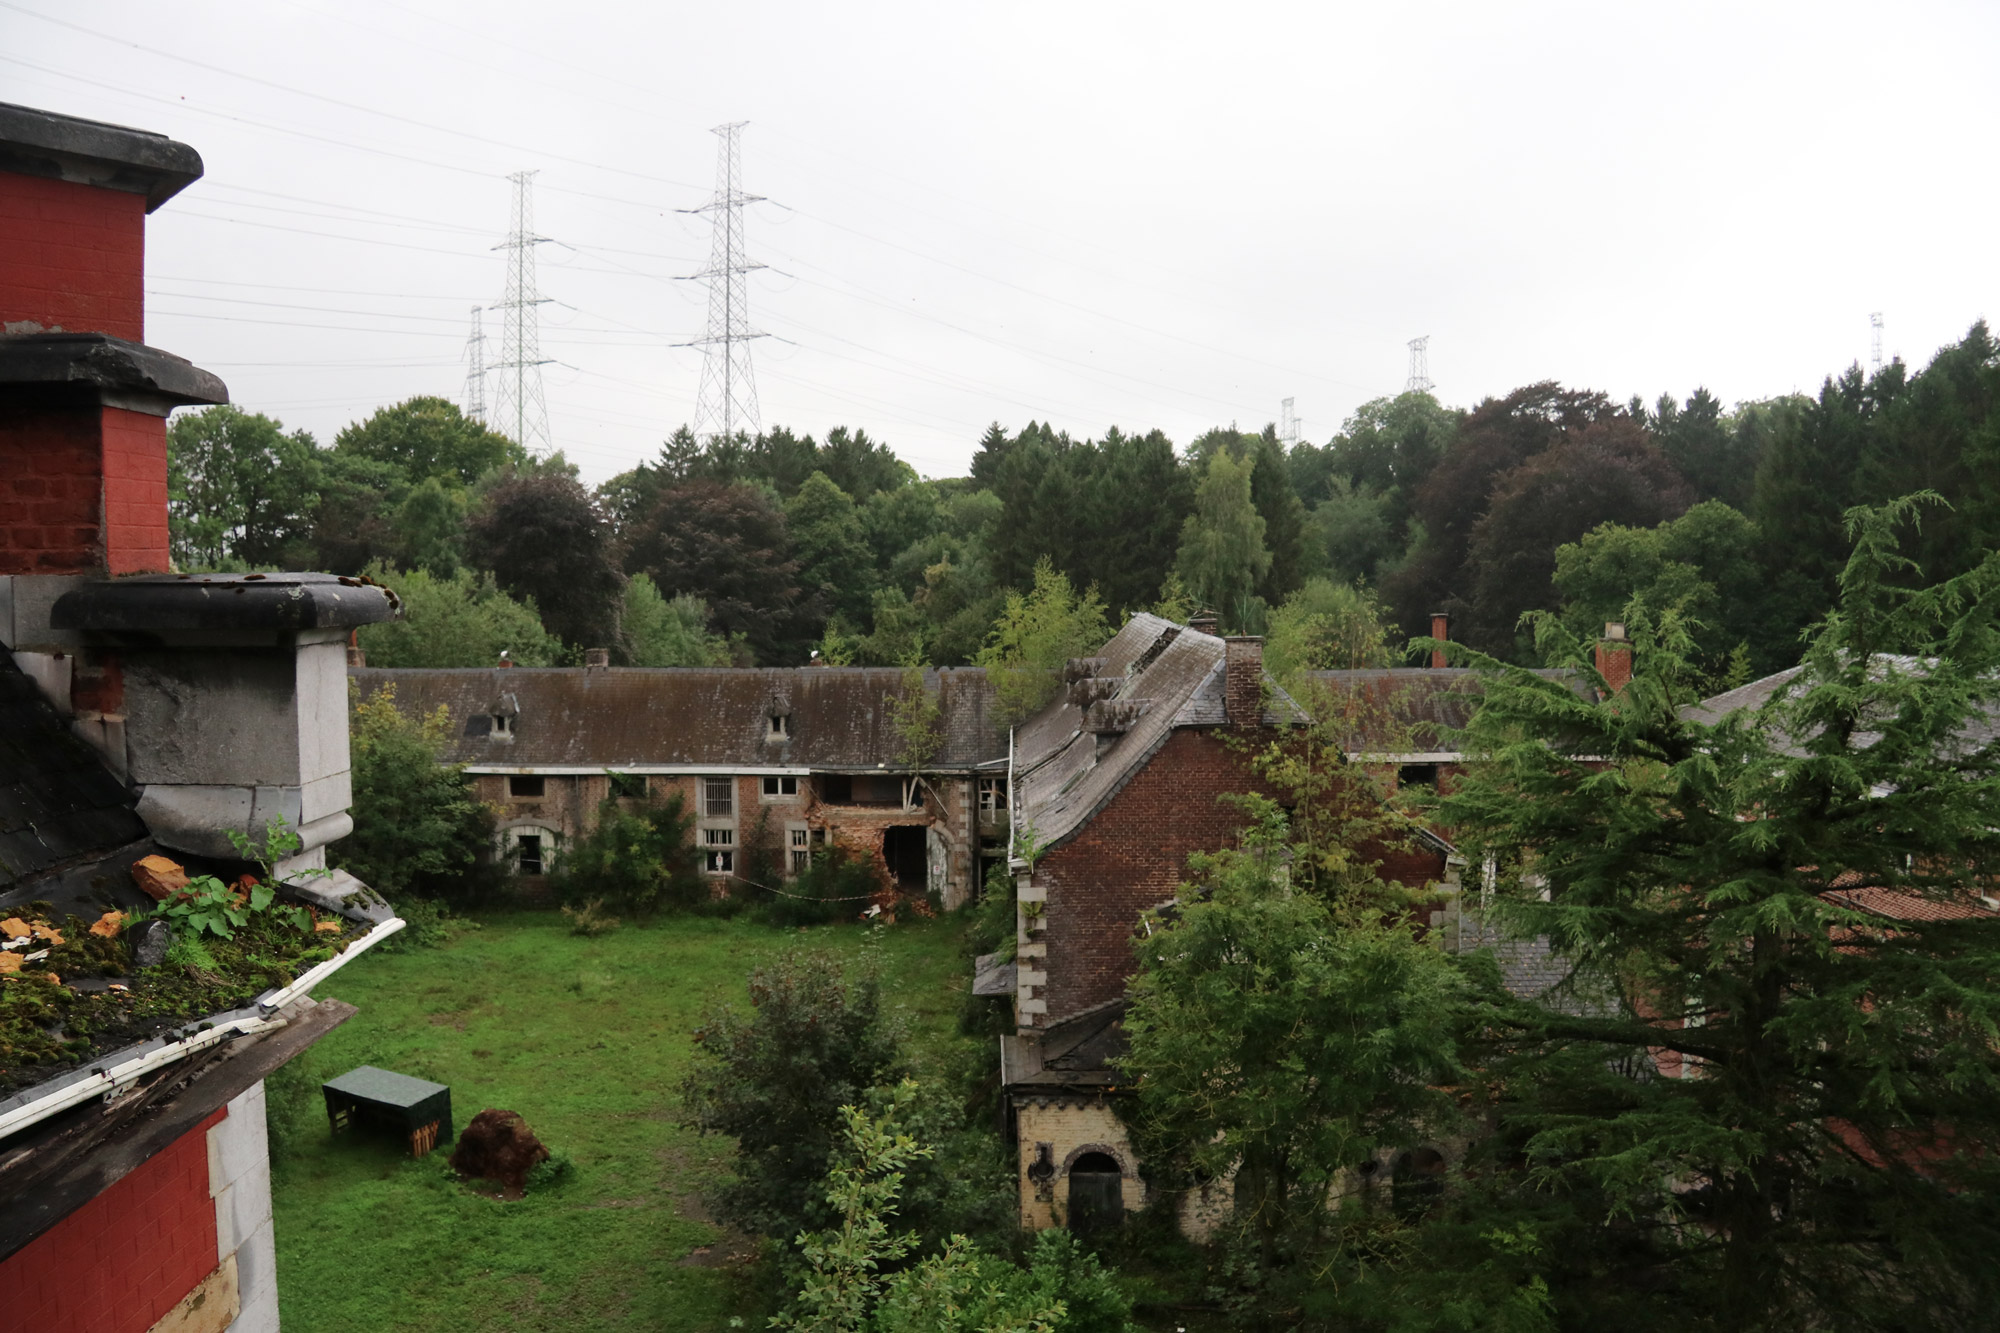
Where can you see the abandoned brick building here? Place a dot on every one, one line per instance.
(142, 714)
(801, 758)
(1115, 785)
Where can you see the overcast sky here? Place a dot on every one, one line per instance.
(1153, 215)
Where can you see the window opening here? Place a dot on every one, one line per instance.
(718, 837)
(718, 797)
(777, 787)
(526, 788)
(781, 727)
(1417, 775)
(992, 795)
(628, 786)
(503, 724)
(528, 853)
(721, 861)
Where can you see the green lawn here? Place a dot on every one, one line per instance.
(585, 1038)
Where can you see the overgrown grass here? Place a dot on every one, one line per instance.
(587, 1038)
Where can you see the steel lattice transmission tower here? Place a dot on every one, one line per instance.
(1288, 425)
(475, 369)
(1420, 365)
(1875, 324)
(523, 411)
(728, 400)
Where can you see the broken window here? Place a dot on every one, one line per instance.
(526, 788)
(628, 786)
(1417, 775)
(718, 797)
(992, 796)
(779, 788)
(719, 861)
(529, 849)
(799, 853)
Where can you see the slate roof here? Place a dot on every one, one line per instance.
(1405, 710)
(631, 717)
(1174, 677)
(1978, 732)
(59, 805)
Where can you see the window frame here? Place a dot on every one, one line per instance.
(765, 788)
(710, 785)
(536, 781)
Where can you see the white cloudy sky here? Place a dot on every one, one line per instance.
(1158, 214)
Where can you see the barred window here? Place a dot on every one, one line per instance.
(718, 797)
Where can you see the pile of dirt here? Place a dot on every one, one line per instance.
(498, 1146)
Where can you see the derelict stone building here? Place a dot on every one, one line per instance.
(799, 758)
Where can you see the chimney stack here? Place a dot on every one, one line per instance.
(1440, 630)
(1243, 680)
(1204, 622)
(597, 659)
(1614, 657)
(83, 430)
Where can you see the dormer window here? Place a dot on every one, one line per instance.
(503, 726)
(780, 727)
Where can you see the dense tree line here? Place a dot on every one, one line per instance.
(767, 548)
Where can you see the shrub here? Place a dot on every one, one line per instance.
(640, 858)
(836, 886)
(418, 829)
(775, 1079)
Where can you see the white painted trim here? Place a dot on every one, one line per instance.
(1413, 757)
(263, 1018)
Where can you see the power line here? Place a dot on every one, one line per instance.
(728, 388)
(522, 404)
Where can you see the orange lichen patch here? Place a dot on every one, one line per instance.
(109, 925)
(332, 927)
(48, 932)
(157, 877)
(14, 928)
(9, 962)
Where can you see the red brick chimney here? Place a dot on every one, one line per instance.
(1243, 680)
(83, 402)
(1614, 657)
(1440, 630)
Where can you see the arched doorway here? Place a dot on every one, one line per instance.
(1417, 1183)
(1096, 1193)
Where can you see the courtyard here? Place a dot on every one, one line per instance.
(588, 1039)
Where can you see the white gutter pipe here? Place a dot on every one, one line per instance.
(106, 1079)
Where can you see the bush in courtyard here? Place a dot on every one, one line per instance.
(836, 886)
(418, 829)
(775, 1079)
(639, 858)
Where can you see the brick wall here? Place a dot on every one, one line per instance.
(1243, 680)
(120, 1262)
(82, 490)
(1130, 857)
(49, 490)
(72, 257)
(135, 492)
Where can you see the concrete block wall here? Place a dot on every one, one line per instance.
(239, 1182)
(72, 258)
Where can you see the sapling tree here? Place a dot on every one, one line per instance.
(1272, 1039)
(1769, 1098)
